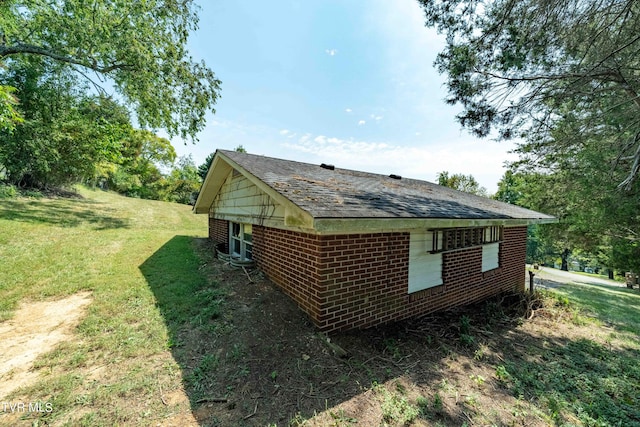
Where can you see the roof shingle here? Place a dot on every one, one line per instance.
(343, 193)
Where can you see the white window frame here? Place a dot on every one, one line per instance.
(241, 241)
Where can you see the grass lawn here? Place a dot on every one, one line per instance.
(174, 337)
(102, 243)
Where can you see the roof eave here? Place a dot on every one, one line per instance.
(372, 225)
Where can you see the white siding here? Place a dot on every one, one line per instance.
(425, 269)
(241, 198)
(490, 254)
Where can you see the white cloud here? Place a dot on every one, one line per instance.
(348, 110)
(284, 132)
(376, 117)
(331, 52)
(361, 122)
(484, 160)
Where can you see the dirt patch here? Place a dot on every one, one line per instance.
(273, 367)
(36, 328)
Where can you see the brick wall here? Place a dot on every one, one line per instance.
(361, 280)
(366, 277)
(291, 260)
(219, 230)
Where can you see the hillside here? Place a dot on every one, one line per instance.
(130, 321)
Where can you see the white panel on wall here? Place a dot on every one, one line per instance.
(490, 256)
(425, 269)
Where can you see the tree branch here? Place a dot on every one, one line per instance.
(22, 48)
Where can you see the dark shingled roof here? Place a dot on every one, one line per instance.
(342, 193)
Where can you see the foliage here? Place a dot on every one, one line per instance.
(7, 191)
(183, 183)
(522, 67)
(564, 79)
(138, 172)
(593, 218)
(139, 46)
(457, 181)
(9, 115)
(65, 133)
(203, 169)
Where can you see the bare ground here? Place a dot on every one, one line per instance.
(275, 368)
(272, 367)
(36, 328)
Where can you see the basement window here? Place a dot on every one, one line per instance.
(240, 241)
(451, 239)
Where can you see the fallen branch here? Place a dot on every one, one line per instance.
(213, 399)
(247, 273)
(252, 414)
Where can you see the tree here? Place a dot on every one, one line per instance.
(138, 173)
(65, 133)
(563, 77)
(523, 66)
(457, 181)
(9, 115)
(182, 183)
(140, 46)
(203, 169)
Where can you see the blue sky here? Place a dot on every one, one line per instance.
(350, 83)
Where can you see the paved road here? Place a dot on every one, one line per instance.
(546, 274)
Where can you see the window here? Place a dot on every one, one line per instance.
(425, 266)
(459, 238)
(490, 256)
(240, 241)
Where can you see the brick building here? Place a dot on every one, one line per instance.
(356, 249)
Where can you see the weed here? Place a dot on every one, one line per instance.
(8, 191)
(480, 352)
(502, 374)
(341, 417)
(438, 404)
(478, 379)
(465, 325)
(466, 339)
(199, 376)
(395, 407)
(237, 351)
(471, 400)
(391, 346)
(273, 375)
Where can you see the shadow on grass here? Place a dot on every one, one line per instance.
(249, 357)
(575, 379)
(72, 212)
(615, 306)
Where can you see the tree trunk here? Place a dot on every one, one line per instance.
(565, 256)
(610, 274)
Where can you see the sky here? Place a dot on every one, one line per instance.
(349, 83)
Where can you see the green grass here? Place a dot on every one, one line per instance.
(151, 291)
(595, 381)
(613, 306)
(138, 259)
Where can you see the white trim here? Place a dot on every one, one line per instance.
(243, 242)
